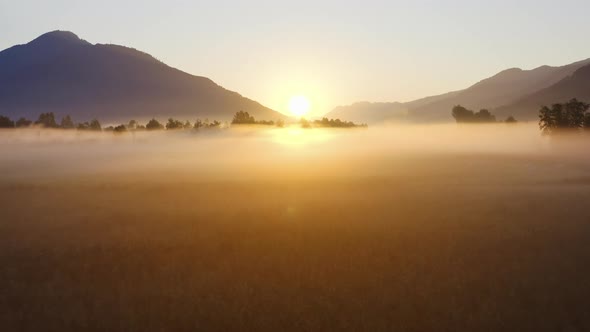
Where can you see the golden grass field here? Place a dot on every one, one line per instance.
(434, 228)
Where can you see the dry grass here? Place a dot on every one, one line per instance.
(429, 243)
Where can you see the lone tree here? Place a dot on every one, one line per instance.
(5, 122)
(67, 123)
(570, 116)
(47, 120)
(23, 122)
(242, 117)
(153, 124)
(463, 115)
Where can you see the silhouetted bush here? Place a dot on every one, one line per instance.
(572, 115)
(153, 124)
(5, 122)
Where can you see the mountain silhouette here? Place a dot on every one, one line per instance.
(61, 73)
(575, 86)
(501, 89)
(511, 92)
(366, 112)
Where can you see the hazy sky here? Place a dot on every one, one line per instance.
(334, 52)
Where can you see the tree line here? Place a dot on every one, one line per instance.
(464, 115)
(48, 120)
(566, 117)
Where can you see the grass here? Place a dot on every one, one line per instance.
(435, 243)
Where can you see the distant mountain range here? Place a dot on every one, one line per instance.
(61, 73)
(514, 92)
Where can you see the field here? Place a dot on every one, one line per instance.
(380, 229)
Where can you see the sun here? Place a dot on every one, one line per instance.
(299, 105)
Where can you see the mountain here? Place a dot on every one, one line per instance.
(371, 113)
(61, 73)
(575, 86)
(501, 89)
(511, 92)
(366, 112)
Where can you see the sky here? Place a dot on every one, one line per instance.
(332, 52)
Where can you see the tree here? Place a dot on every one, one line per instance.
(187, 125)
(198, 124)
(484, 116)
(67, 123)
(5, 122)
(462, 115)
(560, 117)
(132, 125)
(153, 124)
(83, 126)
(120, 129)
(510, 119)
(280, 123)
(95, 125)
(242, 117)
(174, 124)
(305, 123)
(47, 120)
(23, 122)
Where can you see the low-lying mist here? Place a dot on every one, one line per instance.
(417, 227)
(249, 153)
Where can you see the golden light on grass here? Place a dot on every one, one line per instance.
(299, 105)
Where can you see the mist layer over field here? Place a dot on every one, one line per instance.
(412, 228)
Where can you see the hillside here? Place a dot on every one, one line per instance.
(501, 89)
(62, 73)
(575, 86)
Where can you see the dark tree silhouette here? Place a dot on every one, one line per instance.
(83, 126)
(132, 125)
(120, 129)
(510, 119)
(47, 120)
(153, 124)
(305, 123)
(23, 122)
(95, 125)
(174, 124)
(336, 123)
(5, 122)
(242, 117)
(484, 116)
(572, 115)
(67, 123)
(198, 124)
(463, 115)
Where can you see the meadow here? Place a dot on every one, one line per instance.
(401, 228)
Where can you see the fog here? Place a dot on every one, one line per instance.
(248, 153)
(419, 228)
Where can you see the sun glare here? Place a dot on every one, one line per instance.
(299, 105)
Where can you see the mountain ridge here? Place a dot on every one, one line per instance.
(64, 74)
